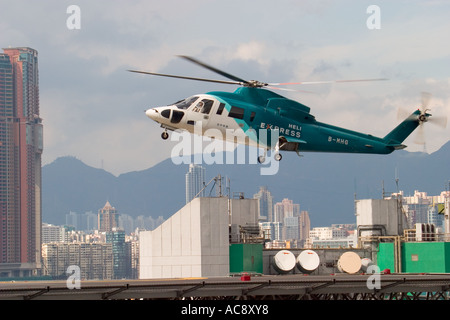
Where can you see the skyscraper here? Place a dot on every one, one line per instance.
(265, 204)
(305, 225)
(195, 180)
(21, 147)
(108, 218)
(121, 256)
(287, 213)
(285, 209)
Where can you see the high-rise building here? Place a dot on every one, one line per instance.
(285, 209)
(120, 252)
(265, 204)
(195, 180)
(287, 213)
(21, 145)
(305, 225)
(291, 228)
(134, 258)
(108, 218)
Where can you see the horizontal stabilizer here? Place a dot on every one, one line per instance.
(397, 146)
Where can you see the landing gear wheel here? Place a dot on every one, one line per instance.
(164, 135)
(261, 159)
(278, 157)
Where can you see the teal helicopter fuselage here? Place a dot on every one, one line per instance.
(262, 118)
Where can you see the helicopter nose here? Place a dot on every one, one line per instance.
(152, 114)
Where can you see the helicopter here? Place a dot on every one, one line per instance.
(254, 115)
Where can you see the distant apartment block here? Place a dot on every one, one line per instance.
(94, 259)
(333, 237)
(21, 146)
(51, 233)
(327, 233)
(422, 208)
(87, 221)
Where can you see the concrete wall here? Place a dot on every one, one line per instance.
(194, 242)
(380, 212)
(244, 212)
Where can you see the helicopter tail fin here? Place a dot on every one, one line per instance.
(402, 131)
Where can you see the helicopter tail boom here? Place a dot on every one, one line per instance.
(402, 131)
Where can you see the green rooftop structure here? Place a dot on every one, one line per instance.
(246, 257)
(416, 257)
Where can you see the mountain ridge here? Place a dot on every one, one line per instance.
(324, 184)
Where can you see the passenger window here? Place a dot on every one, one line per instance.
(252, 116)
(220, 108)
(236, 112)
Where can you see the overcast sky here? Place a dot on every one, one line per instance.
(94, 110)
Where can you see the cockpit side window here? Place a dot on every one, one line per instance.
(204, 106)
(186, 103)
(207, 107)
(176, 116)
(166, 113)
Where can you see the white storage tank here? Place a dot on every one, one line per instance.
(349, 262)
(308, 261)
(284, 261)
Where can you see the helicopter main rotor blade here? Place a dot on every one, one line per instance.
(183, 77)
(324, 82)
(242, 82)
(222, 73)
(291, 90)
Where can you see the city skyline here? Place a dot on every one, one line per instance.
(419, 208)
(340, 189)
(290, 229)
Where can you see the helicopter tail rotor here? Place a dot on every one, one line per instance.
(423, 116)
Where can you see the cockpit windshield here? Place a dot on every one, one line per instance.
(186, 103)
